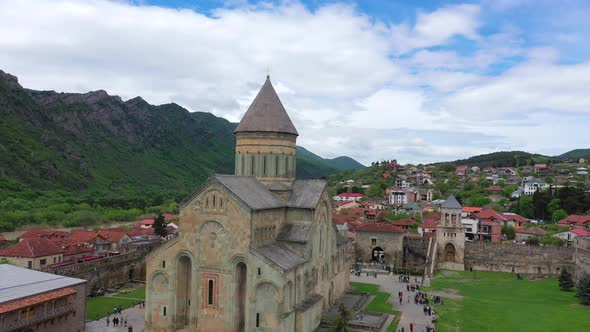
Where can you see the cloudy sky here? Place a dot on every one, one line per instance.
(414, 80)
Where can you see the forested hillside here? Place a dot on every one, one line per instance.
(98, 150)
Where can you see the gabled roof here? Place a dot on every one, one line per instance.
(31, 248)
(451, 203)
(279, 254)
(250, 191)
(83, 236)
(575, 219)
(491, 213)
(266, 113)
(113, 234)
(306, 193)
(471, 209)
(580, 232)
(531, 230)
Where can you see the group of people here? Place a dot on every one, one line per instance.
(117, 321)
(407, 279)
(420, 298)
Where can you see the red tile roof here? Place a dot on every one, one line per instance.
(580, 232)
(31, 248)
(83, 236)
(574, 219)
(350, 195)
(50, 234)
(516, 217)
(379, 228)
(431, 224)
(76, 250)
(471, 209)
(491, 213)
(35, 299)
(345, 202)
(113, 234)
(431, 217)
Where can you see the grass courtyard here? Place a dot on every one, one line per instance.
(101, 306)
(379, 303)
(500, 302)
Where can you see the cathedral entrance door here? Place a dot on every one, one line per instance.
(449, 252)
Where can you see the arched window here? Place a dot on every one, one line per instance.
(210, 295)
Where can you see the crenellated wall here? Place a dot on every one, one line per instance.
(534, 260)
(106, 272)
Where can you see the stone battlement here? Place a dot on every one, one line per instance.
(515, 246)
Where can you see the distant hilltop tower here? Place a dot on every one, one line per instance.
(450, 236)
(266, 141)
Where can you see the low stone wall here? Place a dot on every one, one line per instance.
(415, 252)
(532, 260)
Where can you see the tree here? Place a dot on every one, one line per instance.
(508, 231)
(584, 290)
(526, 207)
(160, 225)
(342, 319)
(566, 283)
(558, 215)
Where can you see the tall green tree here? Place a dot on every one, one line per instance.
(508, 231)
(160, 225)
(343, 318)
(566, 282)
(584, 290)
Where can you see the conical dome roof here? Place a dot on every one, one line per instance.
(266, 113)
(451, 203)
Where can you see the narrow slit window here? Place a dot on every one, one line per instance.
(210, 298)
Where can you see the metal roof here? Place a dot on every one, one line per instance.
(306, 193)
(251, 192)
(279, 254)
(451, 203)
(17, 282)
(266, 113)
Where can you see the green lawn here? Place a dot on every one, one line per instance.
(138, 293)
(379, 303)
(500, 302)
(98, 307)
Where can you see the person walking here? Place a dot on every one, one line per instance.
(108, 321)
(411, 327)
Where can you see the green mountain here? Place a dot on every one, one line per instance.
(575, 155)
(98, 142)
(504, 158)
(308, 159)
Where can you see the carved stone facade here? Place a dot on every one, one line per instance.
(256, 251)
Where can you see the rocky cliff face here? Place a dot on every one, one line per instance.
(76, 141)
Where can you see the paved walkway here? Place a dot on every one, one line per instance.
(411, 313)
(135, 318)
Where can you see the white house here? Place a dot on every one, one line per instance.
(348, 197)
(532, 185)
(571, 235)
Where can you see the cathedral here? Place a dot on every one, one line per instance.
(256, 251)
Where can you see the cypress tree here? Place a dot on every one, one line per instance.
(584, 290)
(566, 283)
(160, 225)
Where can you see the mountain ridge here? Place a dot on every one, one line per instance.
(96, 141)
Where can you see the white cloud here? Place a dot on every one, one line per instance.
(437, 28)
(338, 72)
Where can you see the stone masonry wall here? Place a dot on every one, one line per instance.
(533, 260)
(106, 272)
(582, 257)
(415, 251)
